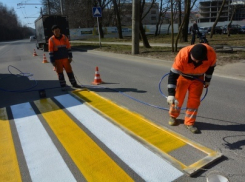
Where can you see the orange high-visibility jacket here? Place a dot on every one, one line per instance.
(59, 48)
(183, 65)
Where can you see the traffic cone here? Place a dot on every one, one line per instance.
(44, 59)
(34, 53)
(97, 79)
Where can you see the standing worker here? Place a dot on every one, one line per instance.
(61, 56)
(194, 31)
(191, 71)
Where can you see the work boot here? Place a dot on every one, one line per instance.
(192, 128)
(172, 121)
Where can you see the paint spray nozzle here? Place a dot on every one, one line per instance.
(176, 103)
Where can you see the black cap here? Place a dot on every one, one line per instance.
(54, 27)
(199, 52)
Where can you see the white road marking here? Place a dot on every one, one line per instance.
(42, 157)
(144, 162)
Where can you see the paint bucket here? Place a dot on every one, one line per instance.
(216, 177)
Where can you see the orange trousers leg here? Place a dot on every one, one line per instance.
(64, 63)
(194, 87)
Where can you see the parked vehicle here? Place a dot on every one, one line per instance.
(43, 29)
(203, 30)
(234, 29)
(32, 38)
(242, 30)
(217, 30)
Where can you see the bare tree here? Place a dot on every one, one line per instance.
(163, 8)
(217, 18)
(118, 17)
(185, 20)
(235, 7)
(142, 16)
(184, 28)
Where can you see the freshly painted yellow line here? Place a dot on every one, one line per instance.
(133, 122)
(162, 139)
(9, 168)
(92, 161)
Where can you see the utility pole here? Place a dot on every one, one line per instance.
(61, 7)
(135, 26)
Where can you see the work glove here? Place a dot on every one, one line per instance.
(70, 60)
(206, 84)
(172, 100)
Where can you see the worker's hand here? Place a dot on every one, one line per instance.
(170, 100)
(206, 84)
(70, 60)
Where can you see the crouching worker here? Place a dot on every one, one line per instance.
(61, 56)
(191, 71)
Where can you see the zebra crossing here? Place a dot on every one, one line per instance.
(68, 139)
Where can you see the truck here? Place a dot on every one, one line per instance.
(43, 26)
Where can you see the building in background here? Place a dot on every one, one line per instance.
(208, 10)
(150, 19)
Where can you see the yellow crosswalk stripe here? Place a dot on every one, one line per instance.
(9, 168)
(134, 122)
(159, 138)
(91, 160)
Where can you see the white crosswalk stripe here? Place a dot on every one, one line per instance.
(45, 163)
(42, 157)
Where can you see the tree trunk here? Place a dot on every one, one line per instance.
(186, 19)
(217, 18)
(143, 36)
(184, 27)
(157, 32)
(229, 25)
(119, 25)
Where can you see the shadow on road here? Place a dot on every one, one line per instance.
(15, 89)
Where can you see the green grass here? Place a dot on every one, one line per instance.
(166, 53)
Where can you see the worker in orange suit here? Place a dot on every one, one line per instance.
(61, 56)
(191, 71)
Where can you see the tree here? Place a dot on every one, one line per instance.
(118, 18)
(185, 20)
(9, 25)
(142, 16)
(235, 7)
(184, 28)
(163, 8)
(217, 18)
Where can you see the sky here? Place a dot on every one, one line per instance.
(26, 13)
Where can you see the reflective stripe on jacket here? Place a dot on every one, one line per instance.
(59, 48)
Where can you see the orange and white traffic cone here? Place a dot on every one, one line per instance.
(97, 79)
(44, 59)
(34, 53)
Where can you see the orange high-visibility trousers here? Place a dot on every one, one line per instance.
(59, 65)
(194, 88)
(63, 63)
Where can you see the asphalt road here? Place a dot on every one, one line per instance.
(220, 118)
